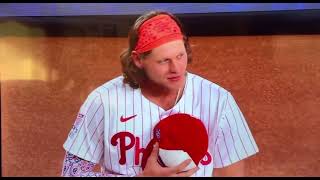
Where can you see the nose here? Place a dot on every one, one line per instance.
(173, 66)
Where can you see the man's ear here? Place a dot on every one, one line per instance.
(136, 59)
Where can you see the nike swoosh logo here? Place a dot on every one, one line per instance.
(122, 119)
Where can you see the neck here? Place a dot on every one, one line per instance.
(164, 97)
(152, 89)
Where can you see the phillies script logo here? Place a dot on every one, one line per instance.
(135, 143)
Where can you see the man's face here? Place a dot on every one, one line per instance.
(166, 65)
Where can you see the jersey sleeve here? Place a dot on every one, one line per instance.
(234, 141)
(85, 139)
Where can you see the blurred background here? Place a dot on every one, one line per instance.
(267, 54)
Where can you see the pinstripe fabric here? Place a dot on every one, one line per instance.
(230, 138)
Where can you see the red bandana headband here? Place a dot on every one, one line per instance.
(157, 31)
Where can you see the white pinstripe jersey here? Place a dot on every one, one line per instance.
(98, 124)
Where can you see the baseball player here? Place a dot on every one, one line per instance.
(115, 123)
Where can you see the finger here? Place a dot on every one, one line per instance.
(188, 173)
(154, 154)
(181, 166)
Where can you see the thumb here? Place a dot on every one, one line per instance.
(155, 151)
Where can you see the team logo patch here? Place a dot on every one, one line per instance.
(76, 125)
(158, 134)
(79, 119)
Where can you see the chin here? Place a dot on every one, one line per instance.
(171, 85)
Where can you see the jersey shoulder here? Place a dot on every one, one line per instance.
(113, 83)
(110, 87)
(204, 83)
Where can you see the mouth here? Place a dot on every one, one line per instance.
(174, 78)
